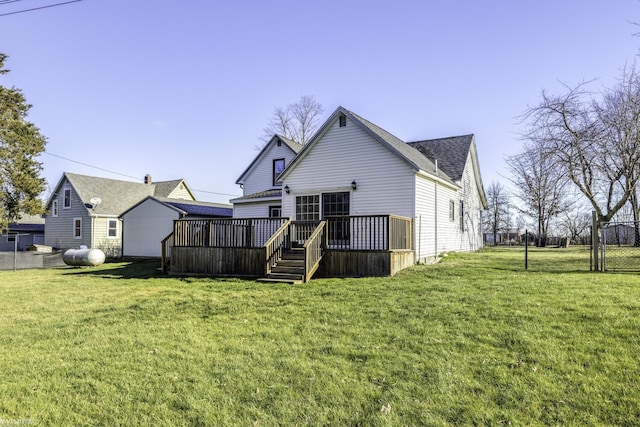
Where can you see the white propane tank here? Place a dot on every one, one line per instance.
(83, 256)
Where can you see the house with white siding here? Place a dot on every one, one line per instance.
(85, 210)
(354, 167)
(148, 222)
(355, 201)
(261, 190)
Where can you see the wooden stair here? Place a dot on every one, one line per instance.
(289, 269)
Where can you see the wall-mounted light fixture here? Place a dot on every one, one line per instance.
(287, 189)
(354, 185)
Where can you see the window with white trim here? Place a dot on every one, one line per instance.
(112, 228)
(77, 228)
(66, 203)
(452, 210)
(54, 208)
(308, 208)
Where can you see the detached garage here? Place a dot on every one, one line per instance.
(145, 224)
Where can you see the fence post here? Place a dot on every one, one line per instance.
(526, 249)
(594, 240)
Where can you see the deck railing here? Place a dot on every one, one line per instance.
(225, 233)
(313, 249)
(369, 232)
(276, 245)
(165, 258)
(346, 233)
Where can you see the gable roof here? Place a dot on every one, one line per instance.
(293, 146)
(189, 207)
(451, 153)
(115, 195)
(414, 158)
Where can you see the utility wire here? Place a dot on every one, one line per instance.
(128, 176)
(38, 8)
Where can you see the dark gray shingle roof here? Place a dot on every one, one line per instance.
(451, 153)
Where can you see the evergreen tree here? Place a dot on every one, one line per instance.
(20, 144)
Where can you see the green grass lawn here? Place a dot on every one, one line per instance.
(472, 340)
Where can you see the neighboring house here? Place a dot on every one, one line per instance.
(148, 222)
(353, 167)
(261, 191)
(85, 210)
(27, 231)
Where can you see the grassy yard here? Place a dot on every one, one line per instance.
(472, 340)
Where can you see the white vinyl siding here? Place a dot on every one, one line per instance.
(385, 183)
(260, 177)
(144, 227)
(253, 210)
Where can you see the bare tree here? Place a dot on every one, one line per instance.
(541, 185)
(575, 224)
(594, 140)
(297, 121)
(497, 211)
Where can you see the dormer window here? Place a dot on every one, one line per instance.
(278, 167)
(343, 120)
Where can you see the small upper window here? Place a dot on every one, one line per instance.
(278, 167)
(452, 210)
(279, 143)
(54, 208)
(343, 120)
(66, 204)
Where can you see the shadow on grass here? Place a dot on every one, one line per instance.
(142, 269)
(139, 269)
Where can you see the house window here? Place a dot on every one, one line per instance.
(66, 204)
(54, 208)
(462, 212)
(452, 210)
(343, 120)
(275, 211)
(308, 208)
(112, 228)
(77, 228)
(278, 167)
(279, 143)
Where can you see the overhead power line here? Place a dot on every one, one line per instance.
(128, 176)
(35, 8)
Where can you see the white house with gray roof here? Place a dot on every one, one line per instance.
(85, 210)
(261, 191)
(353, 167)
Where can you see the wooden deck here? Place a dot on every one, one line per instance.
(350, 246)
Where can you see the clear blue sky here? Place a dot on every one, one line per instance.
(184, 89)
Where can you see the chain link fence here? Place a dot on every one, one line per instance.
(620, 246)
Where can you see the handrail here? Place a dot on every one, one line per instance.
(313, 249)
(275, 245)
(165, 252)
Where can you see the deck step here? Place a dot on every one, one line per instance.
(269, 280)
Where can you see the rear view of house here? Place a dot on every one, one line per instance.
(355, 201)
